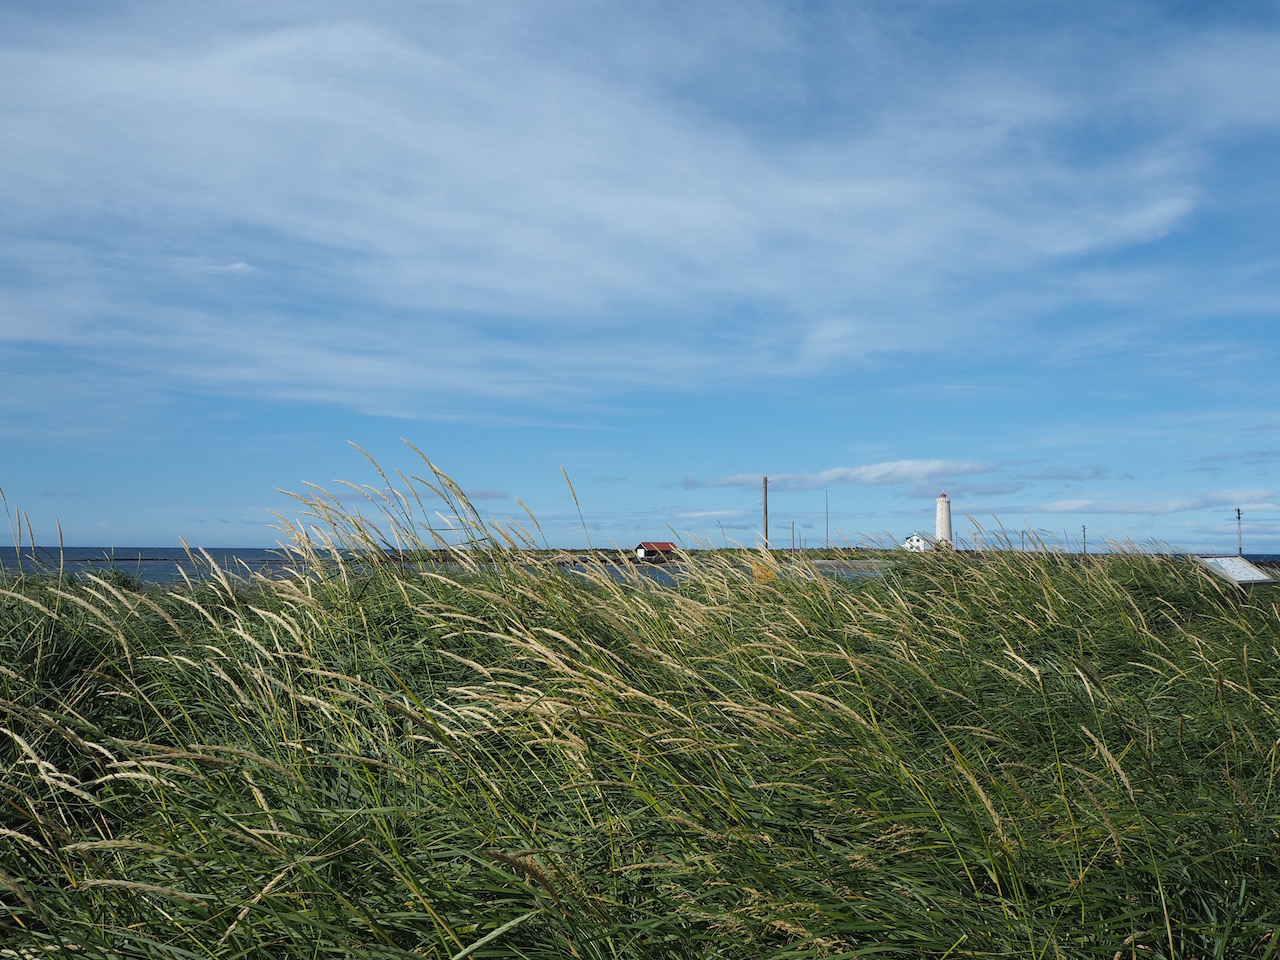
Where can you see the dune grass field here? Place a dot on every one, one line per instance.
(1006, 753)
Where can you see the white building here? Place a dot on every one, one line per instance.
(943, 533)
(917, 543)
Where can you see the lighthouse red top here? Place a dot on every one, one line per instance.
(944, 495)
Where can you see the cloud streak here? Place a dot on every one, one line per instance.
(492, 196)
(1259, 500)
(912, 472)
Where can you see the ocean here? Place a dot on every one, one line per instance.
(148, 565)
(163, 566)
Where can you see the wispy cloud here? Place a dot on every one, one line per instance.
(708, 514)
(895, 471)
(1249, 458)
(1066, 474)
(1040, 248)
(1263, 500)
(521, 215)
(485, 494)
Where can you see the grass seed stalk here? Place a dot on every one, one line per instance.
(431, 739)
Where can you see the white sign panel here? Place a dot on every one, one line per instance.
(1236, 569)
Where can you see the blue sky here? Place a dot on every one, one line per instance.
(1027, 253)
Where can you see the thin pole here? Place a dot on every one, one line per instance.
(826, 495)
(1084, 538)
(793, 536)
(766, 513)
(1239, 536)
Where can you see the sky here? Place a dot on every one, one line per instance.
(1026, 253)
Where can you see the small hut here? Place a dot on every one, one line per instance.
(918, 543)
(655, 551)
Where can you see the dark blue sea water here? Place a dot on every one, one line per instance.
(163, 566)
(148, 565)
(166, 565)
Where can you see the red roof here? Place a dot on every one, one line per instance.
(657, 546)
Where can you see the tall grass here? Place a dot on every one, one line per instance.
(490, 751)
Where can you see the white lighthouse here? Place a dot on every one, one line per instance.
(943, 534)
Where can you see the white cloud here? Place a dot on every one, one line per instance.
(526, 215)
(896, 471)
(707, 514)
(486, 494)
(1252, 500)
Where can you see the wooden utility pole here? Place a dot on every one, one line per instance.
(766, 513)
(1084, 538)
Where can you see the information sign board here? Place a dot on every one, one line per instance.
(1237, 569)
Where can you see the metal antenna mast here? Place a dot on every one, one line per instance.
(766, 513)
